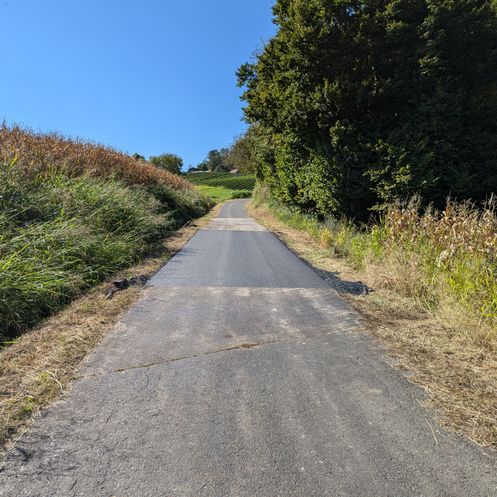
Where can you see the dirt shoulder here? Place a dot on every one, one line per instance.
(40, 365)
(459, 376)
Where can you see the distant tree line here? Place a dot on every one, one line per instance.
(239, 156)
(357, 103)
(216, 160)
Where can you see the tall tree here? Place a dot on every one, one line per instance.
(216, 160)
(242, 153)
(170, 162)
(366, 101)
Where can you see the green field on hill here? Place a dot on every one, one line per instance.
(222, 186)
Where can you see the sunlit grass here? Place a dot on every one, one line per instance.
(220, 193)
(223, 186)
(73, 213)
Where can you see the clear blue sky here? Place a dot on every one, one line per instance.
(147, 76)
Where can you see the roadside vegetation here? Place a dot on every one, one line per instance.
(358, 104)
(72, 214)
(220, 186)
(444, 260)
(41, 363)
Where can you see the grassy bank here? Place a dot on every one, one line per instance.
(434, 304)
(446, 261)
(223, 186)
(71, 214)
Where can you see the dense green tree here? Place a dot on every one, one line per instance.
(170, 162)
(216, 160)
(242, 153)
(359, 102)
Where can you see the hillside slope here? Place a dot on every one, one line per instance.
(71, 214)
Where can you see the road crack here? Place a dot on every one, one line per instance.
(241, 346)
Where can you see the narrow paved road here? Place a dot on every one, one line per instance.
(240, 374)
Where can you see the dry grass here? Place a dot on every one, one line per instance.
(452, 262)
(41, 153)
(450, 353)
(41, 363)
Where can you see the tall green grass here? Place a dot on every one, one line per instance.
(60, 235)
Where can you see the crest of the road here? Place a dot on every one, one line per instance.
(241, 373)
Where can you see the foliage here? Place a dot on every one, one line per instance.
(216, 161)
(241, 194)
(168, 162)
(241, 154)
(359, 103)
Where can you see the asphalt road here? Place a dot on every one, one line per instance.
(241, 373)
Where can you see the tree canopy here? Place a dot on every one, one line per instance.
(216, 160)
(170, 162)
(241, 154)
(362, 102)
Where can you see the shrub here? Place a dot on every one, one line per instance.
(241, 194)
